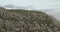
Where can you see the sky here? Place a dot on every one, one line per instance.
(39, 4)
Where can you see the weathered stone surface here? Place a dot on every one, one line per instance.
(26, 21)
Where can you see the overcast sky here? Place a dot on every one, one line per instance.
(41, 4)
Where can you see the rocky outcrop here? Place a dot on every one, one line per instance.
(26, 21)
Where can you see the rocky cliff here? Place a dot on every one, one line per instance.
(26, 21)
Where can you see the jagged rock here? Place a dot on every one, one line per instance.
(26, 21)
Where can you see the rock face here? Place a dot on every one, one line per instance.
(26, 21)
